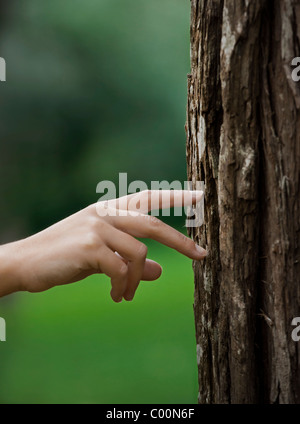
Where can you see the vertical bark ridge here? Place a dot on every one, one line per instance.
(280, 200)
(204, 119)
(243, 130)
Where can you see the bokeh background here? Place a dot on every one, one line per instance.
(94, 88)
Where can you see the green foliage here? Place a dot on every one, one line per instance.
(94, 88)
(74, 345)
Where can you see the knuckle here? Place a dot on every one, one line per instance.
(99, 224)
(122, 270)
(103, 209)
(187, 242)
(153, 225)
(154, 222)
(93, 222)
(142, 251)
(90, 240)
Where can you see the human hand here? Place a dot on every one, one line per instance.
(101, 239)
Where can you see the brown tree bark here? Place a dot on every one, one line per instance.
(243, 141)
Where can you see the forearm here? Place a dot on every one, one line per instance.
(10, 266)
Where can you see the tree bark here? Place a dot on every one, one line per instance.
(243, 141)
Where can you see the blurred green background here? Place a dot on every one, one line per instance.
(94, 88)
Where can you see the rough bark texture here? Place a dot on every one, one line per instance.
(243, 140)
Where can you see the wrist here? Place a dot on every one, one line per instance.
(10, 269)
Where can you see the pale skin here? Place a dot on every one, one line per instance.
(101, 238)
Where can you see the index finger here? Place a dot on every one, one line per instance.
(148, 200)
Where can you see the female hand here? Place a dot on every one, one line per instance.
(98, 239)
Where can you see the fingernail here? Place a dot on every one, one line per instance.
(129, 297)
(202, 251)
(199, 194)
(117, 299)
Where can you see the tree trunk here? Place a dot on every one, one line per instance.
(243, 141)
